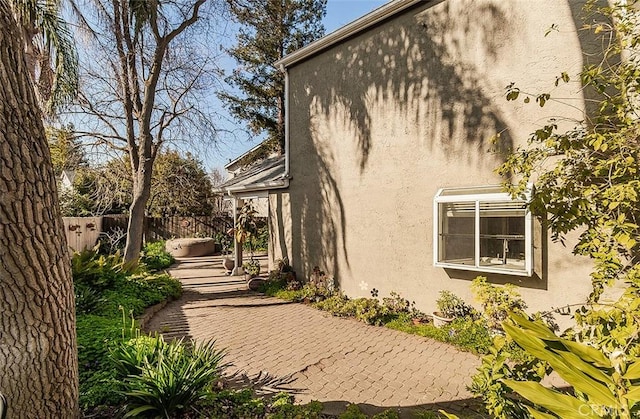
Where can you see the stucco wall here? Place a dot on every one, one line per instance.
(379, 123)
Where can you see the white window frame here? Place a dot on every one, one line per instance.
(488, 194)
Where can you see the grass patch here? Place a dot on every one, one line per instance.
(468, 335)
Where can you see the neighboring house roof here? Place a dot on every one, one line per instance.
(234, 165)
(266, 174)
(67, 177)
(270, 173)
(357, 26)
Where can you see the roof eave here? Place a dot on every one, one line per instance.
(380, 14)
(246, 153)
(264, 186)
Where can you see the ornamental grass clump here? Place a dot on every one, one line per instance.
(162, 378)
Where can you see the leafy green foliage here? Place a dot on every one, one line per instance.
(251, 267)
(105, 290)
(282, 407)
(179, 186)
(496, 302)
(234, 404)
(464, 333)
(66, 151)
(354, 412)
(452, 306)
(88, 299)
(241, 404)
(55, 59)
(498, 365)
(587, 180)
(246, 225)
(595, 186)
(97, 377)
(260, 240)
(97, 191)
(137, 292)
(268, 30)
(96, 271)
(155, 257)
(605, 386)
(162, 377)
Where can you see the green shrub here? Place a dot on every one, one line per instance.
(497, 302)
(396, 303)
(98, 384)
(387, 414)
(337, 305)
(282, 407)
(105, 289)
(97, 271)
(353, 412)
(155, 257)
(452, 306)
(162, 378)
(88, 300)
(232, 404)
(272, 286)
(367, 310)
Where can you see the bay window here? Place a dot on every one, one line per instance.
(482, 229)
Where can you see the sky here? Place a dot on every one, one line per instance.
(339, 13)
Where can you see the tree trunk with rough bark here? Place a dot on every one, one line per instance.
(141, 193)
(38, 354)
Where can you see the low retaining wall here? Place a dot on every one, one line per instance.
(181, 248)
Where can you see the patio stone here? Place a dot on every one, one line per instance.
(332, 360)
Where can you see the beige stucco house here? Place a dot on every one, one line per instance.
(389, 180)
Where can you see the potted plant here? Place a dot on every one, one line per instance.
(251, 268)
(225, 242)
(245, 232)
(418, 317)
(450, 307)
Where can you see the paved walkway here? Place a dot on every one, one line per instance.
(333, 360)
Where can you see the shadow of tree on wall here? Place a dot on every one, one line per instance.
(409, 64)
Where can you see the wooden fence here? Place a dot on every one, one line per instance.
(164, 228)
(84, 232)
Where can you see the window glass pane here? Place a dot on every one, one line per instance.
(502, 235)
(456, 235)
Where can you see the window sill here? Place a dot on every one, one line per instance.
(487, 269)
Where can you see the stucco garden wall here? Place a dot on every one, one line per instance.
(382, 121)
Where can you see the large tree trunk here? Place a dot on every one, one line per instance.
(38, 355)
(141, 193)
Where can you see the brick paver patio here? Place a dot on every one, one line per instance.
(333, 360)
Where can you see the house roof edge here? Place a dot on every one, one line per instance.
(347, 31)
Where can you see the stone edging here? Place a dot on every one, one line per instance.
(149, 312)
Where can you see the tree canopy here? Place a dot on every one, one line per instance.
(146, 74)
(179, 186)
(267, 31)
(587, 178)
